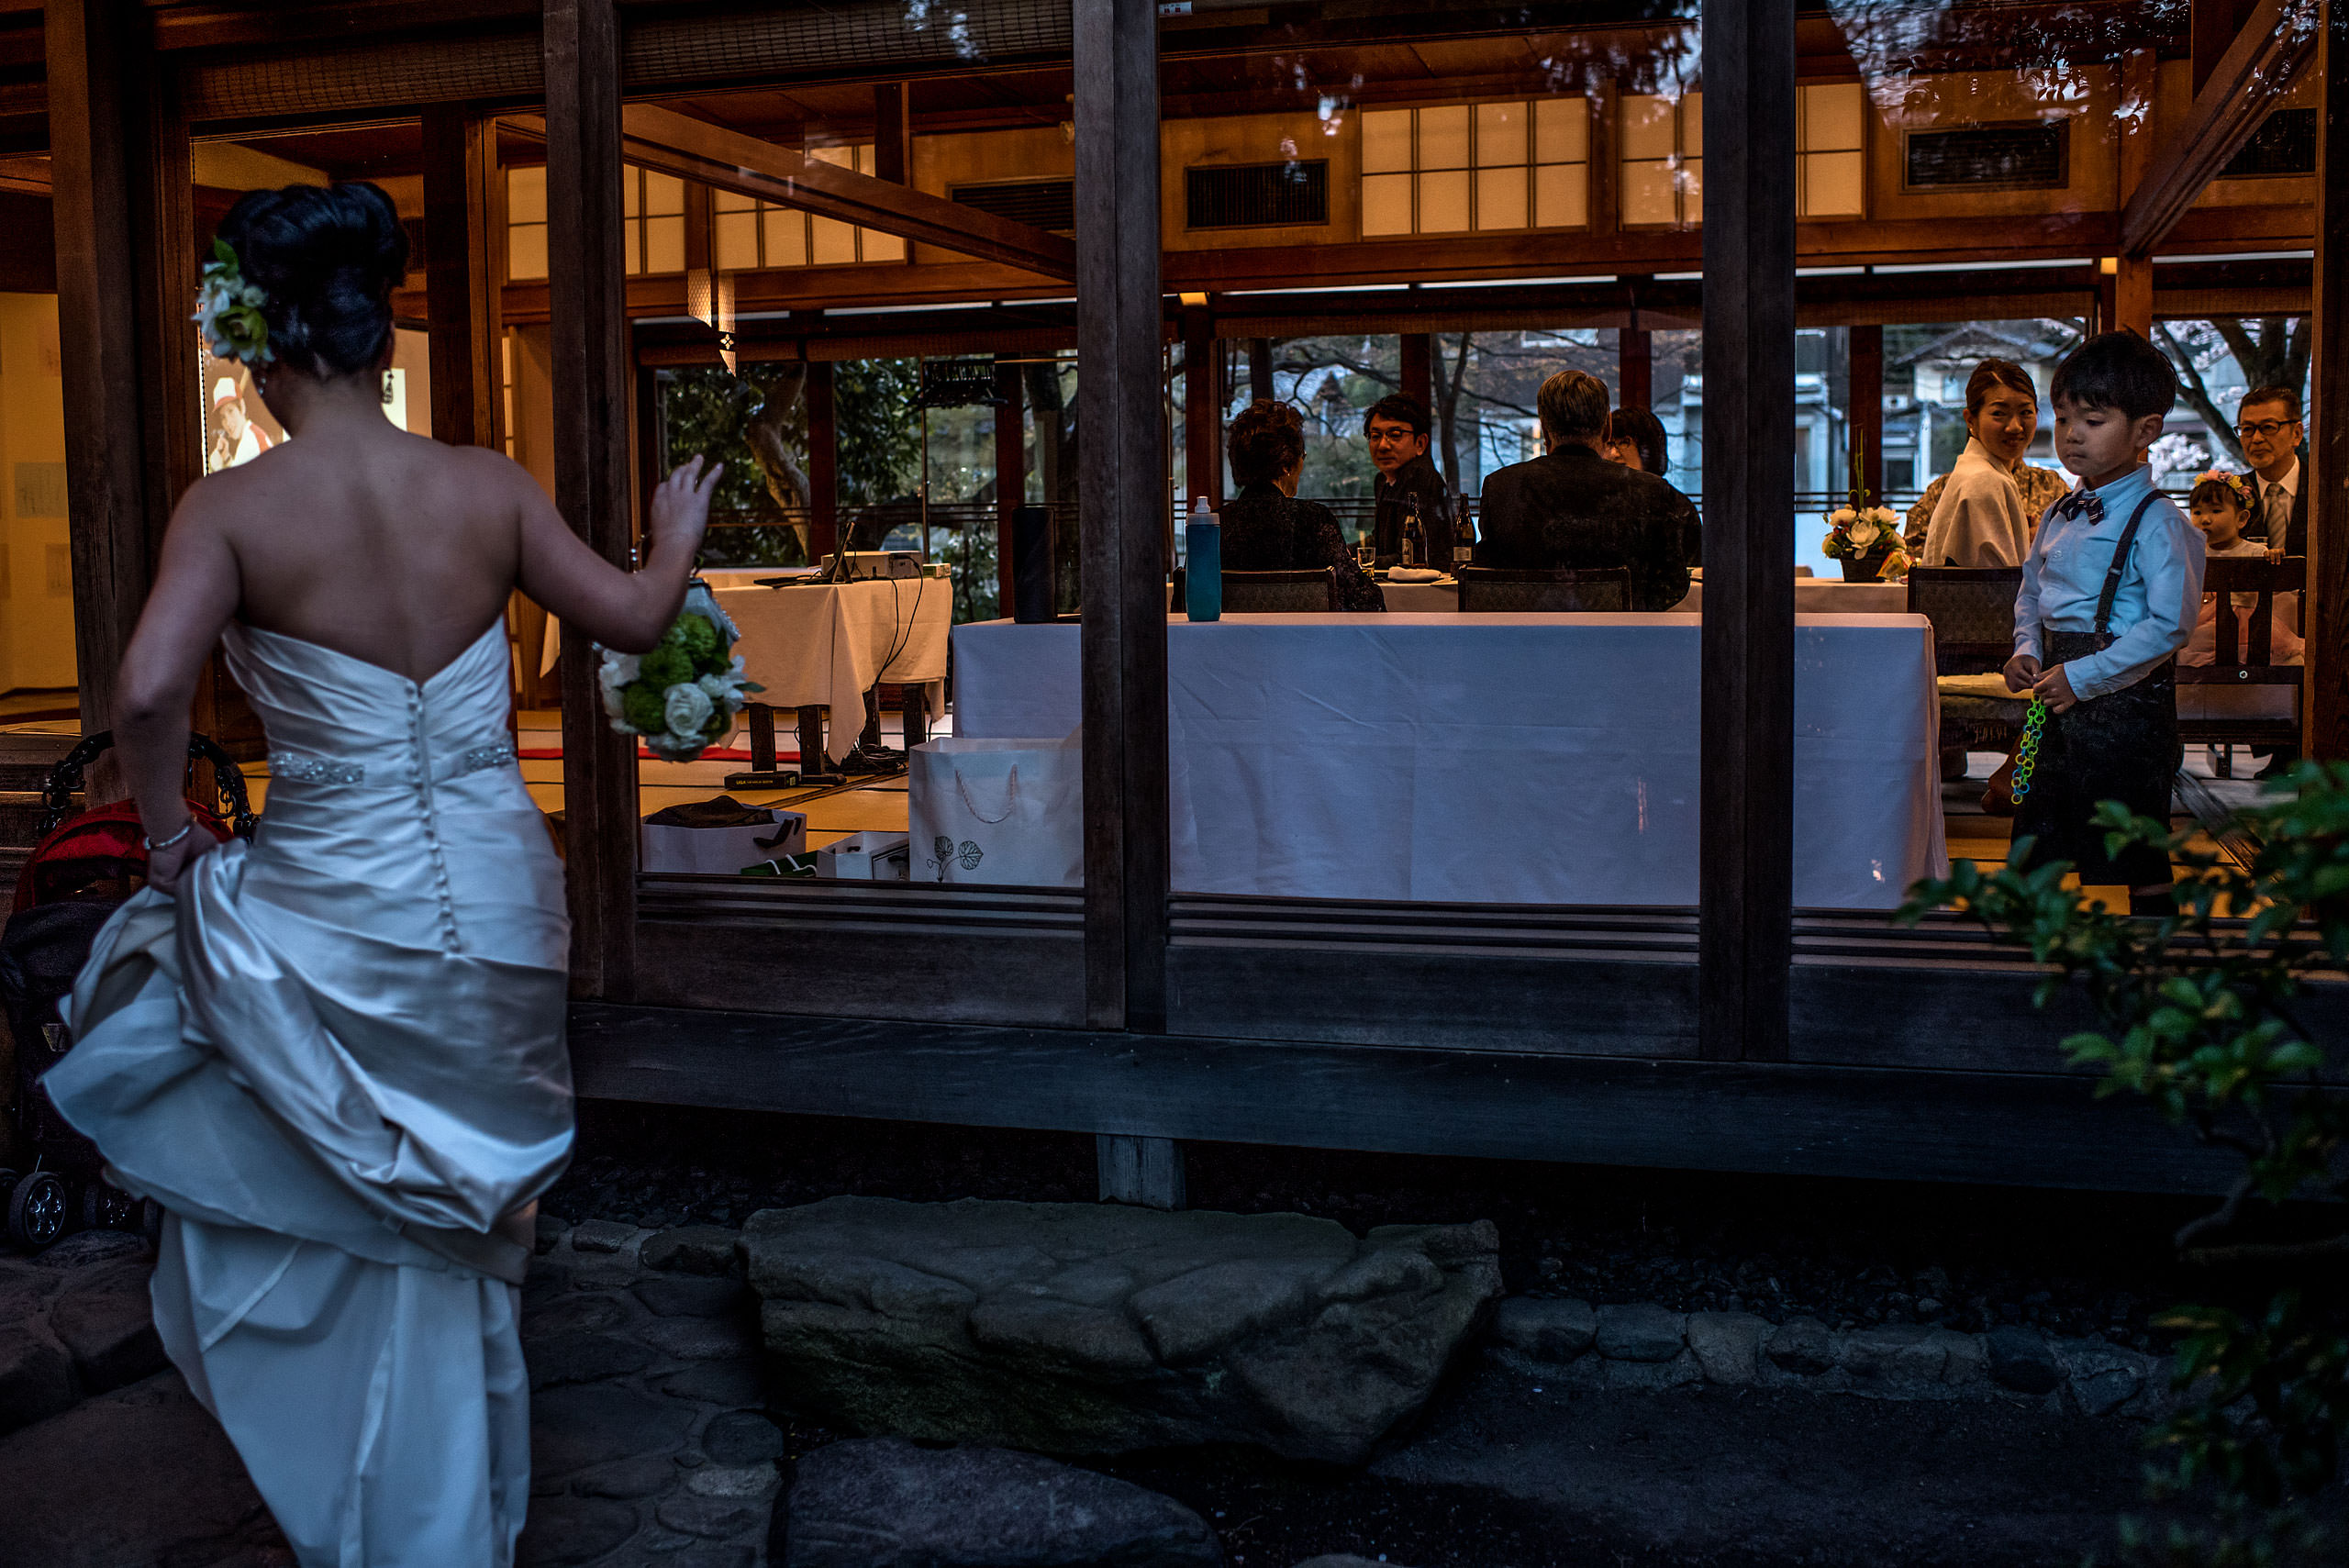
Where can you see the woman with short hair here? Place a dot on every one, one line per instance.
(1265, 526)
(1635, 438)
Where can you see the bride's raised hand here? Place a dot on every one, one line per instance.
(168, 863)
(680, 510)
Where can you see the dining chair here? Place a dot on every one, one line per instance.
(1280, 592)
(2243, 660)
(1496, 590)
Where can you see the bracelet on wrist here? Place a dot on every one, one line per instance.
(154, 844)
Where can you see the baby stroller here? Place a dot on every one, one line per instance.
(85, 865)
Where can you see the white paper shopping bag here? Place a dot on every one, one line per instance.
(1009, 812)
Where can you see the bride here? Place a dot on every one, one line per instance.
(336, 1056)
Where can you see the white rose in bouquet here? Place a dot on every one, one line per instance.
(613, 672)
(687, 709)
(1863, 533)
(1842, 517)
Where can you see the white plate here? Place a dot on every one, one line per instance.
(1413, 574)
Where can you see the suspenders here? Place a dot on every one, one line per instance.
(2112, 574)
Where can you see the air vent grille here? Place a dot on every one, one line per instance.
(1045, 204)
(1257, 196)
(2012, 157)
(2284, 144)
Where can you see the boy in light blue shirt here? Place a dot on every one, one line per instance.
(2109, 593)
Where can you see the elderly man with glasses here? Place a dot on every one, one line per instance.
(2267, 422)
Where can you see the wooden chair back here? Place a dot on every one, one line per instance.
(1280, 592)
(1494, 590)
(2245, 655)
(1972, 612)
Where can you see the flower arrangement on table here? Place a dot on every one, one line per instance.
(681, 697)
(1857, 531)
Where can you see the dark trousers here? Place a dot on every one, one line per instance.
(2122, 746)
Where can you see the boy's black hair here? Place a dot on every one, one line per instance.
(2117, 370)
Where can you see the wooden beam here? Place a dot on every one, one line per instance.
(1867, 405)
(678, 144)
(1259, 369)
(823, 461)
(1122, 511)
(91, 128)
(2212, 25)
(2326, 625)
(1416, 363)
(2251, 78)
(893, 133)
(587, 305)
(461, 288)
(1202, 411)
(1745, 885)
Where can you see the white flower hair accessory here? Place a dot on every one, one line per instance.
(227, 310)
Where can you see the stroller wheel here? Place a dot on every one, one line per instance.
(106, 1207)
(37, 1210)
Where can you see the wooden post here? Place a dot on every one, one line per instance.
(1260, 368)
(1866, 381)
(1418, 366)
(1202, 414)
(90, 131)
(588, 316)
(462, 289)
(1635, 366)
(2327, 626)
(893, 133)
(1121, 486)
(1605, 202)
(1746, 870)
(1147, 1171)
(823, 462)
(1010, 475)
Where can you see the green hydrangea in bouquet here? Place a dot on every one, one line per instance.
(682, 696)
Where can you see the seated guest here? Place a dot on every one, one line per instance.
(1981, 517)
(1265, 527)
(2001, 416)
(2267, 422)
(1396, 428)
(2222, 507)
(1635, 439)
(1571, 507)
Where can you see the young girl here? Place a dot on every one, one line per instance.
(2224, 507)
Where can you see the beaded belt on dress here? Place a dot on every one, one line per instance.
(286, 765)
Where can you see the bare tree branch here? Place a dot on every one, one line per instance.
(2199, 395)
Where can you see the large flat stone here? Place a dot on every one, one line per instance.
(1087, 1328)
(594, 1423)
(36, 1374)
(104, 1317)
(887, 1504)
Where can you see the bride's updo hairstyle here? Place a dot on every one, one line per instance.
(328, 258)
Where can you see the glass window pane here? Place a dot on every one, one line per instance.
(1386, 205)
(734, 240)
(664, 244)
(1444, 202)
(730, 201)
(525, 194)
(1833, 184)
(1443, 138)
(1647, 126)
(663, 195)
(1561, 130)
(839, 157)
(1692, 123)
(1500, 137)
(1386, 141)
(632, 191)
(1831, 116)
(787, 237)
(1647, 192)
(632, 244)
(526, 251)
(1500, 198)
(880, 247)
(835, 241)
(1561, 195)
(866, 156)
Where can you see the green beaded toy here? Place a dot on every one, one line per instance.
(2035, 724)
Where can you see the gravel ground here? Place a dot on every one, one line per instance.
(1851, 1254)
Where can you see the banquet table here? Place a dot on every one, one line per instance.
(1521, 759)
(827, 645)
(1813, 596)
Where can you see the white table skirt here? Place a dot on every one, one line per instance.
(1826, 597)
(827, 645)
(1513, 759)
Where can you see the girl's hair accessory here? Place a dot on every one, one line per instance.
(2234, 482)
(228, 309)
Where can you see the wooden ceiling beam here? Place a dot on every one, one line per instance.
(2277, 41)
(673, 143)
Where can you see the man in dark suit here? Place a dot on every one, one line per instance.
(1572, 508)
(2267, 422)
(1396, 428)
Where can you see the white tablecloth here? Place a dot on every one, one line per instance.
(1826, 597)
(830, 644)
(1515, 759)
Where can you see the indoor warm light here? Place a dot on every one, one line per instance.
(1192, 301)
(2108, 265)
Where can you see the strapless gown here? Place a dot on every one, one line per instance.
(337, 1059)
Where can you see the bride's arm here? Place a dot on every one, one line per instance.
(195, 591)
(626, 610)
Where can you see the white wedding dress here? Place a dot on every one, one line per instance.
(336, 1060)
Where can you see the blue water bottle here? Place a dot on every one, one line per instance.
(1203, 577)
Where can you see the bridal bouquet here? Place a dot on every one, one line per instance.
(681, 697)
